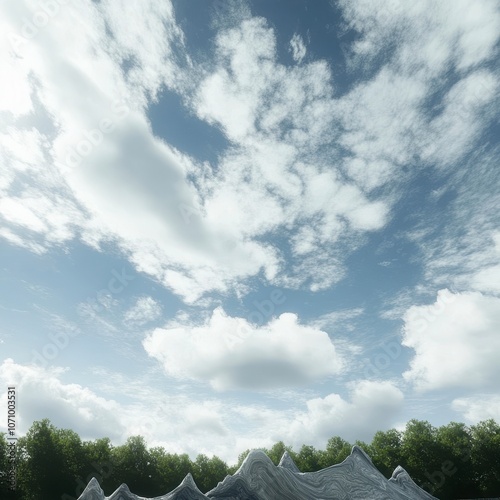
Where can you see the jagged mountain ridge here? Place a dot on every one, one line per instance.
(356, 478)
(187, 490)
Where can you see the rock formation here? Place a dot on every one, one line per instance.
(356, 478)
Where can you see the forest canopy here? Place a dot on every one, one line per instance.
(452, 461)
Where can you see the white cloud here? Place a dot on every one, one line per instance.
(146, 309)
(41, 394)
(298, 48)
(303, 163)
(273, 179)
(340, 319)
(101, 175)
(231, 353)
(466, 108)
(317, 168)
(441, 32)
(389, 120)
(184, 423)
(371, 406)
(466, 255)
(146, 44)
(368, 407)
(487, 278)
(477, 408)
(193, 426)
(455, 340)
(410, 109)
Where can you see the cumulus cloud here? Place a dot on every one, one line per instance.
(79, 111)
(371, 406)
(43, 395)
(183, 423)
(477, 408)
(455, 341)
(229, 352)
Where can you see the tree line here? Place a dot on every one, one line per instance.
(452, 461)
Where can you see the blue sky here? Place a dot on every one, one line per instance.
(225, 224)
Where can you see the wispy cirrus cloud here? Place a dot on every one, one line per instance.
(145, 310)
(303, 163)
(298, 48)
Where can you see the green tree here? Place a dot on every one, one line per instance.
(451, 461)
(132, 465)
(277, 451)
(72, 455)
(456, 442)
(385, 451)
(424, 458)
(337, 450)
(157, 462)
(201, 472)
(308, 459)
(98, 463)
(3, 458)
(5, 491)
(485, 456)
(42, 467)
(362, 444)
(208, 472)
(218, 471)
(172, 468)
